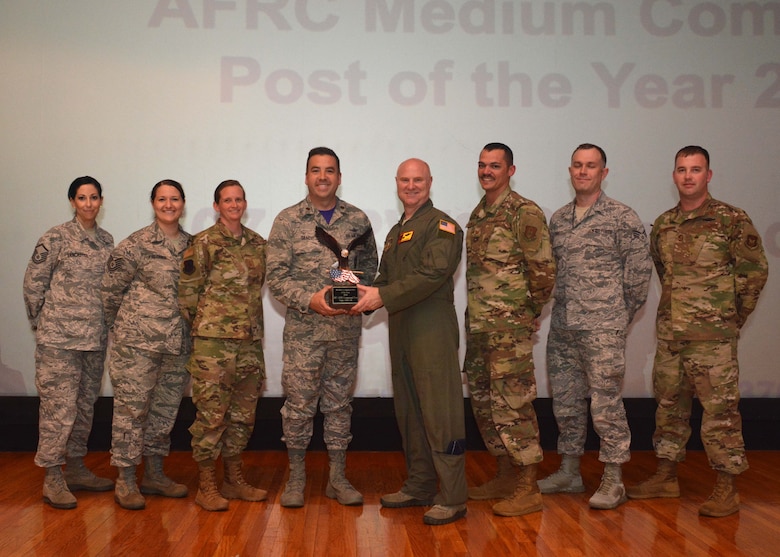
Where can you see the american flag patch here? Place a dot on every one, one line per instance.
(447, 226)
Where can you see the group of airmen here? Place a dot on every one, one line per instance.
(179, 306)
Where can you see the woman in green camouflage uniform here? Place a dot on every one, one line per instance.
(220, 295)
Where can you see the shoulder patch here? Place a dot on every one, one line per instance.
(530, 232)
(751, 241)
(446, 226)
(40, 255)
(189, 267)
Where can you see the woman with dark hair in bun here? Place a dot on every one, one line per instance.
(151, 343)
(62, 298)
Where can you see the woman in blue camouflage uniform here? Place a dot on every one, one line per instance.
(151, 343)
(63, 305)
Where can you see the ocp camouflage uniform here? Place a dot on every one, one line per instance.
(604, 271)
(712, 267)
(220, 296)
(320, 352)
(510, 274)
(151, 342)
(62, 298)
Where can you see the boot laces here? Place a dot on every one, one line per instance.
(720, 491)
(58, 484)
(609, 481)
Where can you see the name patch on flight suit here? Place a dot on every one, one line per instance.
(405, 236)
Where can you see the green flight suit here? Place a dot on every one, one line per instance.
(416, 286)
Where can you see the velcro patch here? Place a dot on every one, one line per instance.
(115, 264)
(447, 226)
(40, 255)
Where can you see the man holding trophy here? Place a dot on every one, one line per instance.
(318, 250)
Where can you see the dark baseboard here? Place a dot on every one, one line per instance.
(374, 427)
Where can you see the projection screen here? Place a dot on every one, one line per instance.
(205, 90)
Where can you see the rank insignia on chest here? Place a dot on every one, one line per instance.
(405, 236)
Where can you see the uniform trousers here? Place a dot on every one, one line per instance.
(227, 375)
(500, 369)
(428, 400)
(148, 387)
(318, 372)
(582, 364)
(708, 369)
(68, 383)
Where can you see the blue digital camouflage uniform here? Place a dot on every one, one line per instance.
(510, 274)
(416, 285)
(320, 352)
(220, 296)
(151, 342)
(604, 271)
(62, 297)
(712, 267)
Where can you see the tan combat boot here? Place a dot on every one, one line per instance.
(126, 490)
(661, 484)
(502, 484)
(81, 478)
(611, 492)
(339, 487)
(55, 490)
(724, 499)
(292, 496)
(567, 479)
(235, 486)
(155, 482)
(526, 497)
(208, 495)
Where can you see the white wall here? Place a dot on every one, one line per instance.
(204, 90)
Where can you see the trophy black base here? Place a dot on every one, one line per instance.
(343, 296)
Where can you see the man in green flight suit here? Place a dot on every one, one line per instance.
(415, 284)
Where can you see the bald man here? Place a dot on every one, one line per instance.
(415, 284)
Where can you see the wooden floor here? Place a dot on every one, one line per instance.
(566, 526)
